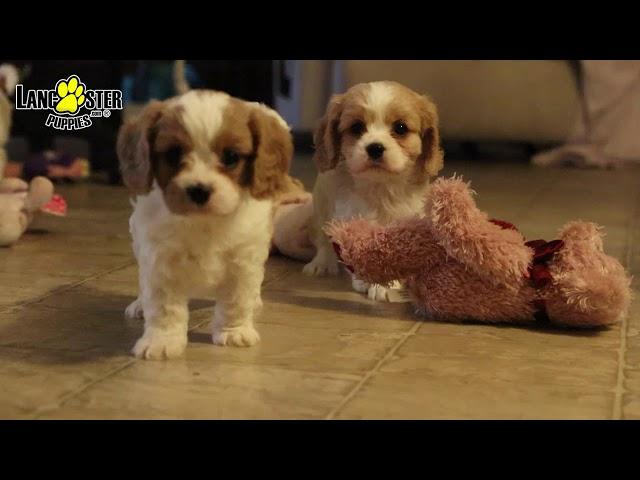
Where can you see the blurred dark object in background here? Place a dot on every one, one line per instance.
(250, 80)
(145, 80)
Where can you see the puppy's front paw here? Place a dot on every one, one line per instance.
(134, 310)
(393, 294)
(160, 345)
(244, 336)
(319, 266)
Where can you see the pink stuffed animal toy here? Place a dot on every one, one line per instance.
(457, 264)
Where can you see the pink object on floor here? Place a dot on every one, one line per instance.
(459, 265)
(56, 206)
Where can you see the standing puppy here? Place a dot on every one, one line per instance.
(204, 167)
(376, 149)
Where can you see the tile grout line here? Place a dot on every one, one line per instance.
(66, 287)
(111, 373)
(352, 393)
(620, 389)
(65, 398)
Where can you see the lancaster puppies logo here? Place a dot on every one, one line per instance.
(73, 106)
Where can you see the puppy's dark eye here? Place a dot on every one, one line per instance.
(174, 156)
(400, 128)
(230, 158)
(358, 128)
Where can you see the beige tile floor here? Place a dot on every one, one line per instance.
(326, 352)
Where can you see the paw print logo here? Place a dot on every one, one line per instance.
(71, 94)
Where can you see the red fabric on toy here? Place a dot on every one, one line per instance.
(543, 253)
(539, 273)
(56, 206)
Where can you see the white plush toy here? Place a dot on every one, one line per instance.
(19, 201)
(8, 80)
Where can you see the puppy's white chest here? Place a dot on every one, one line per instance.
(195, 254)
(191, 261)
(352, 205)
(379, 210)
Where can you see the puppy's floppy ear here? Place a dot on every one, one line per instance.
(134, 150)
(273, 150)
(432, 155)
(327, 138)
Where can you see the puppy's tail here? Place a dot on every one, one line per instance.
(180, 82)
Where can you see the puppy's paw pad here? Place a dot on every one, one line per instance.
(319, 267)
(71, 94)
(134, 310)
(160, 346)
(237, 337)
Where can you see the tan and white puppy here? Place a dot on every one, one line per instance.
(377, 146)
(205, 168)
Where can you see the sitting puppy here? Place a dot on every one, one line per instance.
(205, 168)
(376, 149)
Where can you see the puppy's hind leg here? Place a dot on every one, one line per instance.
(395, 293)
(134, 310)
(325, 260)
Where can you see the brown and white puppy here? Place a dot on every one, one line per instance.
(205, 168)
(376, 149)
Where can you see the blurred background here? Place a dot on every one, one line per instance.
(528, 102)
(488, 109)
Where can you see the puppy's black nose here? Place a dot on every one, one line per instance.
(199, 194)
(375, 150)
